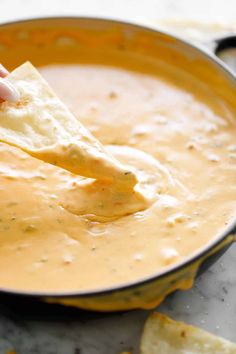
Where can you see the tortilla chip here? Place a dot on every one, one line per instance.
(41, 125)
(165, 336)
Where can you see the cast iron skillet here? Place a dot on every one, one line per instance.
(14, 49)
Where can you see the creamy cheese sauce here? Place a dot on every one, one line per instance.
(53, 233)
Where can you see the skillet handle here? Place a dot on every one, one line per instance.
(225, 49)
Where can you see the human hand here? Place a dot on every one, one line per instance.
(7, 91)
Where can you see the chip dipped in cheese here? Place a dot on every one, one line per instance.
(41, 125)
(165, 336)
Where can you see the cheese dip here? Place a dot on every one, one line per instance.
(178, 138)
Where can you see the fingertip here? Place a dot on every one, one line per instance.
(3, 71)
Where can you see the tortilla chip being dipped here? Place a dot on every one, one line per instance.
(40, 124)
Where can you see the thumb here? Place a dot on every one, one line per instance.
(3, 71)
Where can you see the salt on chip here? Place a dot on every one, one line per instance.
(162, 335)
(40, 124)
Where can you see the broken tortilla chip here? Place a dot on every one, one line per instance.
(164, 336)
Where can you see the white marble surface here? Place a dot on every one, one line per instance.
(210, 304)
(141, 10)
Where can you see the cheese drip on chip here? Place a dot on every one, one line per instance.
(40, 124)
(165, 336)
